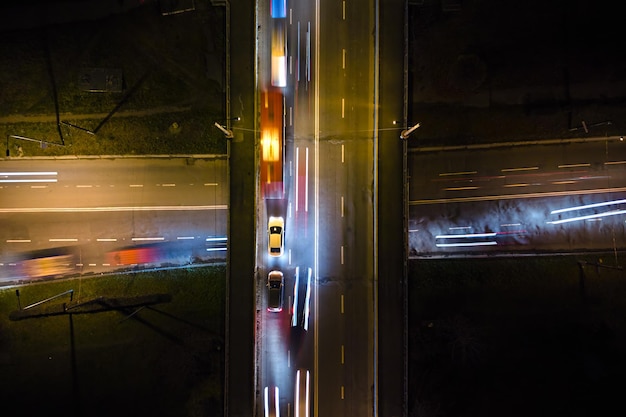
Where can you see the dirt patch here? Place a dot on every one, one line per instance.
(494, 71)
(168, 67)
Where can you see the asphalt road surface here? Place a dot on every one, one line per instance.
(551, 197)
(175, 208)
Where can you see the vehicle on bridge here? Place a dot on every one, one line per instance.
(276, 236)
(272, 144)
(276, 290)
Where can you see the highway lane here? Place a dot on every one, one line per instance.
(504, 199)
(95, 207)
(346, 75)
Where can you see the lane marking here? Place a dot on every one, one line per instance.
(519, 169)
(574, 165)
(448, 174)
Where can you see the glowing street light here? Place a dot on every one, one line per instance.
(227, 132)
(405, 133)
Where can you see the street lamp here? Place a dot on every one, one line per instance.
(405, 133)
(227, 132)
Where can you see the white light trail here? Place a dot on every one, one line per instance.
(297, 172)
(33, 180)
(469, 235)
(450, 245)
(26, 173)
(591, 216)
(588, 206)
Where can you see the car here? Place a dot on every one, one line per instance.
(270, 402)
(276, 236)
(276, 291)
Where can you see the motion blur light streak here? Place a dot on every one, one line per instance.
(590, 216)
(588, 206)
(450, 245)
(33, 180)
(470, 235)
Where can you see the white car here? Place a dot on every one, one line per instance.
(276, 236)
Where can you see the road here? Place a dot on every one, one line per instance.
(331, 132)
(97, 207)
(518, 199)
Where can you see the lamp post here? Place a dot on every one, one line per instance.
(405, 133)
(227, 132)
